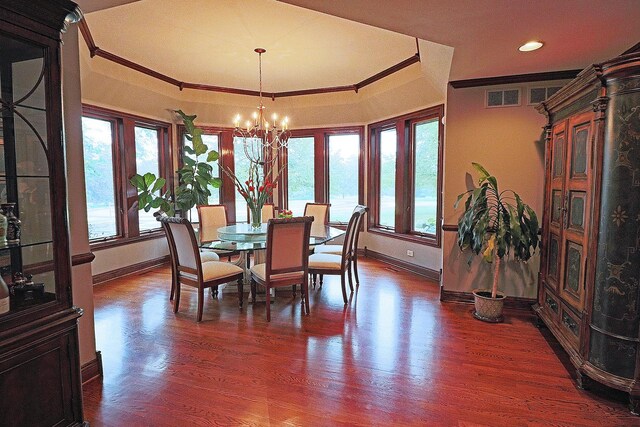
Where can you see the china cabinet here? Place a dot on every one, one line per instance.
(39, 364)
(589, 293)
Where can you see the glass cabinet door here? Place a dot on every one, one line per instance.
(27, 253)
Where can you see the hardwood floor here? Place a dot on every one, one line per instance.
(394, 356)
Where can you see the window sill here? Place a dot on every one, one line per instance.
(123, 241)
(414, 238)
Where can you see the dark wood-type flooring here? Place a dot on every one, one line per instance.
(394, 356)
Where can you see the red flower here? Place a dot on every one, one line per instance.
(261, 189)
(251, 188)
(246, 182)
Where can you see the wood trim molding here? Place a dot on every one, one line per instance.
(632, 49)
(94, 50)
(516, 78)
(92, 369)
(137, 268)
(80, 259)
(413, 268)
(514, 303)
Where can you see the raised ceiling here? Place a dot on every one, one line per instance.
(212, 42)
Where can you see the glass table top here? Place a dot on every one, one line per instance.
(242, 237)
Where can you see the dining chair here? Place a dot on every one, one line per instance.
(286, 260)
(205, 256)
(319, 212)
(338, 265)
(268, 212)
(191, 270)
(337, 249)
(211, 218)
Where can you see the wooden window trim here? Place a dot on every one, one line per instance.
(123, 146)
(405, 169)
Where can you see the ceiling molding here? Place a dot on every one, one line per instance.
(94, 50)
(516, 78)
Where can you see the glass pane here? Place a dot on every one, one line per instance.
(425, 181)
(574, 256)
(576, 209)
(556, 206)
(344, 152)
(553, 257)
(98, 174)
(147, 160)
(212, 143)
(241, 164)
(558, 146)
(387, 202)
(300, 174)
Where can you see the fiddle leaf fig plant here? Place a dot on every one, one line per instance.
(195, 177)
(496, 223)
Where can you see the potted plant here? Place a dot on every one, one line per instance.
(195, 177)
(497, 224)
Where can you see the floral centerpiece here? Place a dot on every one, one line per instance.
(255, 190)
(285, 213)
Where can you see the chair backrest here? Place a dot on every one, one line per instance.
(347, 245)
(361, 210)
(319, 212)
(211, 217)
(184, 246)
(288, 245)
(268, 212)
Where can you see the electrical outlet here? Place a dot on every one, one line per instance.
(409, 253)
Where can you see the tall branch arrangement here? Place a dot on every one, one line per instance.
(496, 223)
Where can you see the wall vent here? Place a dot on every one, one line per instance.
(539, 94)
(502, 98)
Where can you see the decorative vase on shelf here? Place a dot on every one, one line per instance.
(256, 217)
(13, 223)
(3, 229)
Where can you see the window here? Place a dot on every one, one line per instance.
(116, 147)
(241, 169)
(406, 179)
(98, 137)
(300, 172)
(324, 166)
(344, 160)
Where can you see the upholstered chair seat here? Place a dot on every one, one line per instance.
(325, 261)
(328, 249)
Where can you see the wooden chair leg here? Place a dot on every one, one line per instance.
(253, 290)
(214, 291)
(294, 287)
(344, 289)
(305, 289)
(173, 284)
(200, 303)
(355, 270)
(240, 292)
(314, 277)
(176, 300)
(268, 301)
(321, 277)
(350, 280)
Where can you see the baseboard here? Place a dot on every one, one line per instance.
(92, 370)
(413, 268)
(140, 267)
(514, 303)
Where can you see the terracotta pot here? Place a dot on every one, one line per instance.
(488, 309)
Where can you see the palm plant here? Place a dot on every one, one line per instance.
(496, 223)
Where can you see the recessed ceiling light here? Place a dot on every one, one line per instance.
(529, 46)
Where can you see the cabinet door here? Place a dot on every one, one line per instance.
(576, 210)
(555, 195)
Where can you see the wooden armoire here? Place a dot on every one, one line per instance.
(40, 381)
(589, 284)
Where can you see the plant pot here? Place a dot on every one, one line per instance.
(488, 309)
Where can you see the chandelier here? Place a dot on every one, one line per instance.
(263, 138)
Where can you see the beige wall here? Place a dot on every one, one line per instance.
(508, 142)
(81, 274)
(112, 86)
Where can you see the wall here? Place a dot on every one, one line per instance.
(508, 142)
(81, 274)
(416, 87)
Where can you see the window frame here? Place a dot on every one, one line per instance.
(124, 167)
(321, 165)
(405, 176)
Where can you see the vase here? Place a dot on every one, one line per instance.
(256, 217)
(13, 223)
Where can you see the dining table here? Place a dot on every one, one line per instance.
(247, 240)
